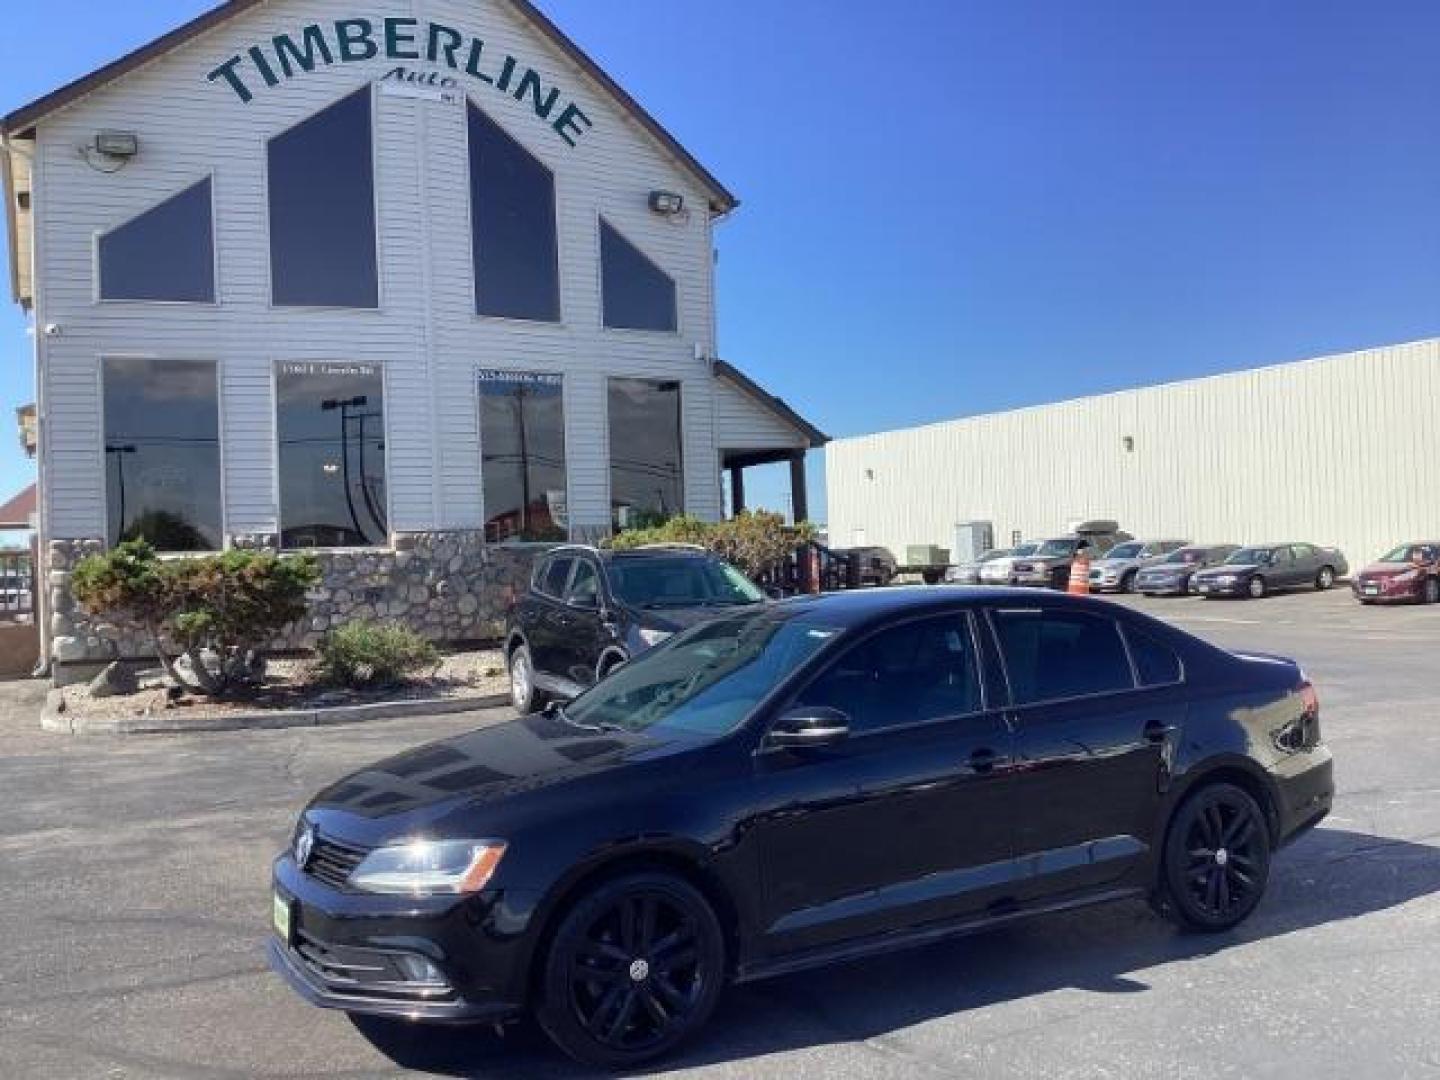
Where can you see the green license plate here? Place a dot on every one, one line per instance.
(281, 917)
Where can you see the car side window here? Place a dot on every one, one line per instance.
(1303, 552)
(1156, 663)
(917, 672)
(552, 579)
(584, 585)
(1053, 654)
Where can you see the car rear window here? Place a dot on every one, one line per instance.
(1052, 655)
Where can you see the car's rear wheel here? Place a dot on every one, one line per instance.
(1256, 587)
(635, 967)
(523, 694)
(1325, 578)
(1217, 859)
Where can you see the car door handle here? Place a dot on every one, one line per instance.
(984, 760)
(1157, 732)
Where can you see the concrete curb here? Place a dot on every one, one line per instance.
(55, 718)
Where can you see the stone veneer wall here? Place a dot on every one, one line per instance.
(448, 586)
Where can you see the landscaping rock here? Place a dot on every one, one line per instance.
(115, 678)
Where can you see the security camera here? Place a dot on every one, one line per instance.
(52, 329)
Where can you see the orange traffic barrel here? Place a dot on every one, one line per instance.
(1080, 575)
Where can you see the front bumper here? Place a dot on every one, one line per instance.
(1215, 588)
(348, 951)
(1162, 586)
(1380, 591)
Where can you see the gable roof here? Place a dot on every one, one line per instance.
(17, 512)
(776, 406)
(24, 118)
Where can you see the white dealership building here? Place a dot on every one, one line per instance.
(408, 283)
(1337, 451)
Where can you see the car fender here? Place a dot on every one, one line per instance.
(1232, 767)
(611, 655)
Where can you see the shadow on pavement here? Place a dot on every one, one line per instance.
(1327, 876)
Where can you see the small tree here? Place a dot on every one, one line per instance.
(220, 609)
(751, 541)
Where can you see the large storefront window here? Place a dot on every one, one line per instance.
(512, 211)
(645, 460)
(331, 428)
(162, 453)
(167, 253)
(322, 210)
(522, 440)
(638, 295)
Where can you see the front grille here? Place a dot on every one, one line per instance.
(367, 973)
(332, 862)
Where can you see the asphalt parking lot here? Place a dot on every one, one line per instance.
(134, 874)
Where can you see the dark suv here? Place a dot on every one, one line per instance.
(588, 610)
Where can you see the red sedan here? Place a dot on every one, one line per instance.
(1409, 574)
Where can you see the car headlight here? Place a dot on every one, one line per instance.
(651, 638)
(425, 867)
(1405, 576)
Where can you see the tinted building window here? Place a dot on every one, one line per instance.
(167, 253)
(645, 459)
(322, 210)
(522, 451)
(910, 674)
(638, 295)
(512, 211)
(1061, 654)
(162, 453)
(1155, 664)
(331, 429)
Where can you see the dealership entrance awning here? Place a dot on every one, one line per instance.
(754, 427)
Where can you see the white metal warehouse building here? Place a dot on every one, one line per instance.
(1339, 451)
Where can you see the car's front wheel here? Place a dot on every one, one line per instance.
(1217, 859)
(1430, 592)
(634, 968)
(1256, 587)
(523, 694)
(1325, 579)
(1127, 583)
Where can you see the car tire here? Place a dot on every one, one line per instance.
(1325, 579)
(1127, 582)
(523, 693)
(634, 968)
(1430, 591)
(1216, 861)
(1256, 588)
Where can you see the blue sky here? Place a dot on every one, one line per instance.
(967, 206)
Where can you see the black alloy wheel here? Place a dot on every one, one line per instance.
(636, 966)
(1217, 859)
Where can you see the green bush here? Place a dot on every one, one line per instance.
(751, 541)
(220, 610)
(367, 654)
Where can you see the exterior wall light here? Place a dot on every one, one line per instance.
(1129, 443)
(117, 144)
(669, 203)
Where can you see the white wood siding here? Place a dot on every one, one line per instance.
(426, 334)
(742, 423)
(1338, 451)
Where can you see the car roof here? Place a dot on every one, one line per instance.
(648, 550)
(857, 606)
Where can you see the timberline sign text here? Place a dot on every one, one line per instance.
(359, 40)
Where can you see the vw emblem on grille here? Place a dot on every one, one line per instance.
(304, 845)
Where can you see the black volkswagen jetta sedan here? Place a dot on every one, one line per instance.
(795, 784)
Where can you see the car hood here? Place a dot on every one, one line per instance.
(675, 619)
(1115, 564)
(1171, 568)
(1229, 568)
(417, 790)
(1390, 569)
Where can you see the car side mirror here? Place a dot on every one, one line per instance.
(809, 727)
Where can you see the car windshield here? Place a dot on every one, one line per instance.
(1026, 549)
(1064, 546)
(1412, 553)
(1188, 555)
(705, 681)
(1127, 551)
(660, 581)
(1251, 557)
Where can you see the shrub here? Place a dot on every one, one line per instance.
(365, 654)
(220, 610)
(751, 541)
